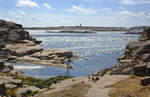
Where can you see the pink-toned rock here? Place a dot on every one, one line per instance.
(22, 49)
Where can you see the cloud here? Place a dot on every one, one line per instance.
(134, 2)
(103, 18)
(28, 3)
(17, 15)
(22, 12)
(128, 14)
(47, 5)
(140, 14)
(82, 10)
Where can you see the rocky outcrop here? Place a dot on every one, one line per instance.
(137, 55)
(136, 58)
(138, 50)
(19, 85)
(13, 33)
(17, 45)
(11, 84)
(23, 92)
(136, 30)
(8, 68)
(12, 87)
(145, 35)
(24, 48)
(28, 51)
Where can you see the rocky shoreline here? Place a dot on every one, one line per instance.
(136, 30)
(136, 57)
(16, 44)
(14, 84)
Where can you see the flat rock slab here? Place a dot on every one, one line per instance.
(33, 88)
(11, 80)
(27, 58)
(11, 86)
(100, 88)
(22, 49)
(22, 92)
(17, 82)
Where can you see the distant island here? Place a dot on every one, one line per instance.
(72, 28)
(89, 29)
(137, 29)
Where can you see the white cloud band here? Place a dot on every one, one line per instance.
(27, 3)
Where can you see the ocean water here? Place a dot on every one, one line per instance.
(101, 50)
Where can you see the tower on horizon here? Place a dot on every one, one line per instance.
(80, 25)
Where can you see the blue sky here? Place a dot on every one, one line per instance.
(74, 12)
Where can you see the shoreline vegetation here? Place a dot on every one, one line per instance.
(129, 78)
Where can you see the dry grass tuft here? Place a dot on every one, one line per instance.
(77, 90)
(130, 88)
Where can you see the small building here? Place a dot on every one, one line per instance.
(80, 25)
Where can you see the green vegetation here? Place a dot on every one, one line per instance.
(42, 83)
(33, 93)
(103, 72)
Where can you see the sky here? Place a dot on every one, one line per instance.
(44, 13)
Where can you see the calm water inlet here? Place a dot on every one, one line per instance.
(101, 50)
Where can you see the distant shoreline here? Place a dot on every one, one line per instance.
(71, 28)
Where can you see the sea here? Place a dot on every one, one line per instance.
(100, 49)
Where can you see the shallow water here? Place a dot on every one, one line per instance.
(100, 49)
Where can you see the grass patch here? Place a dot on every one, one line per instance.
(42, 83)
(135, 77)
(77, 90)
(103, 72)
(33, 93)
(130, 88)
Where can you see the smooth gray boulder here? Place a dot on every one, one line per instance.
(23, 92)
(17, 82)
(11, 86)
(145, 35)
